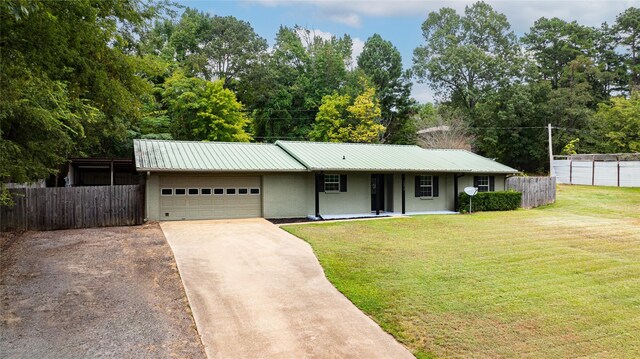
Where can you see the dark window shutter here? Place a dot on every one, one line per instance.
(343, 183)
(476, 181)
(436, 186)
(417, 179)
(320, 183)
(492, 183)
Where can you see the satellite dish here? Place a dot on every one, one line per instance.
(471, 191)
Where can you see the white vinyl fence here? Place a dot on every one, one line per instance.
(619, 170)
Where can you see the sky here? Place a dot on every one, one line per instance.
(397, 21)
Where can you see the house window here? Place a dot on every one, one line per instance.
(482, 183)
(243, 190)
(332, 183)
(218, 191)
(181, 191)
(426, 186)
(255, 191)
(193, 191)
(231, 191)
(205, 191)
(166, 191)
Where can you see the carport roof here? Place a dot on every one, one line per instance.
(191, 156)
(320, 156)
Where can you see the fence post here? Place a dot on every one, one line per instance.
(571, 169)
(593, 171)
(618, 158)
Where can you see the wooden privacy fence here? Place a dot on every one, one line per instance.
(73, 207)
(536, 191)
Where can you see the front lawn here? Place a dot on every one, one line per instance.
(557, 281)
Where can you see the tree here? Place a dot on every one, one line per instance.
(443, 128)
(211, 47)
(382, 64)
(511, 126)
(204, 110)
(70, 84)
(467, 57)
(617, 124)
(340, 120)
(554, 43)
(287, 87)
(327, 66)
(613, 76)
(627, 28)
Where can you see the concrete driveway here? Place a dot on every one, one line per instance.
(258, 292)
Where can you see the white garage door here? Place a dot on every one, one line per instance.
(208, 197)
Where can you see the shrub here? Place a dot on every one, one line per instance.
(490, 201)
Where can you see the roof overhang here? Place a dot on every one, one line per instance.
(139, 169)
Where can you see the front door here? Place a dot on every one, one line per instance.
(377, 192)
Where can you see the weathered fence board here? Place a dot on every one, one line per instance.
(536, 191)
(73, 207)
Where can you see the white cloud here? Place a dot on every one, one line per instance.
(352, 20)
(521, 14)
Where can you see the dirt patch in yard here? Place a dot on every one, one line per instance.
(101, 292)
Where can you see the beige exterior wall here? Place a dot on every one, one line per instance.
(286, 194)
(467, 181)
(289, 195)
(357, 199)
(444, 201)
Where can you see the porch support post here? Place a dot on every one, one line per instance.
(403, 198)
(111, 172)
(378, 194)
(455, 191)
(317, 194)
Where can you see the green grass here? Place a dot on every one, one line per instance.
(557, 281)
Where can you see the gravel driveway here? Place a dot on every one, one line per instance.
(101, 292)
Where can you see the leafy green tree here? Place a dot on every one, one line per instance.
(204, 110)
(511, 124)
(277, 91)
(554, 43)
(287, 88)
(70, 84)
(327, 67)
(613, 76)
(382, 64)
(341, 120)
(467, 57)
(211, 47)
(618, 125)
(627, 28)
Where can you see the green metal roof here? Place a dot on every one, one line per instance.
(158, 155)
(320, 156)
(288, 156)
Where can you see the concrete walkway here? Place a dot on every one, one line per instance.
(259, 292)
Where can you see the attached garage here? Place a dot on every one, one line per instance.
(210, 180)
(210, 197)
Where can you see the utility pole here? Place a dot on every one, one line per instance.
(552, 172)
